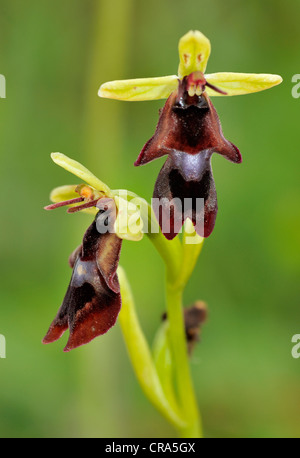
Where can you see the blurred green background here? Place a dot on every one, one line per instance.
(54, 56)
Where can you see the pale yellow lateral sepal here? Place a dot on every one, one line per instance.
(139, 89)
(80, 171)
(241, 83)
(194, 51)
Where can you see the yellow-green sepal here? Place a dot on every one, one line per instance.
(139, 89)
(81, 172)
(194, 51)
(241, 83)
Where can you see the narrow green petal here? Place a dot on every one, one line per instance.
(241, 83)
(194, 51)
(80, 171)
(139, 89)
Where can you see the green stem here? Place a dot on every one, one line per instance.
(141, 357)
(180, 260)
(179, 267)
(178, 345)
(169, 250)
(163, 362)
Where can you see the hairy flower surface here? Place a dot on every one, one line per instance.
(93, 301)
(189, 132)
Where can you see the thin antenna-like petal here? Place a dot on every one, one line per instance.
(68, 192)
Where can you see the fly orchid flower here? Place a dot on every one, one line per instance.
(93, 301)
(188, 131)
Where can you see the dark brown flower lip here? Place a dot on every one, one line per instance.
(188, 124)
(188, 132)
(184, 189)
(92, 301)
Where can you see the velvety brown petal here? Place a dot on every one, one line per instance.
(190, 125)
(89, 308)
(105, 248)
(74, 256)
